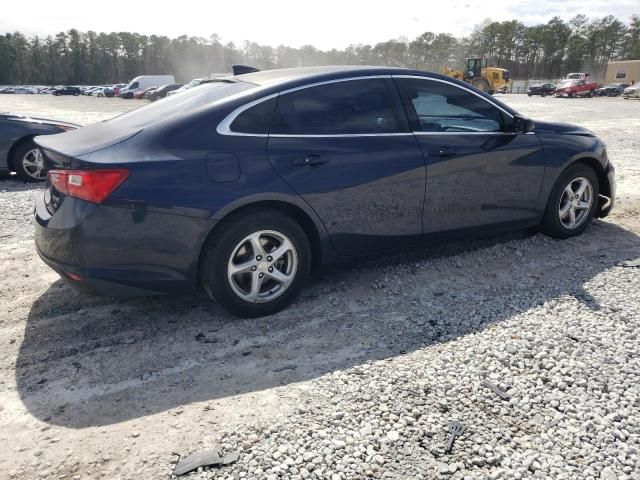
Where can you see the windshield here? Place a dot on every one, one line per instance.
(179, 104)
(568, 83)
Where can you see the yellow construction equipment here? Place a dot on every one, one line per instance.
(485, 78)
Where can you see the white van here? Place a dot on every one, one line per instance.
(145, 81)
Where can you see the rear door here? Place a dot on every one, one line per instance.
(344, 146)
(478, 171)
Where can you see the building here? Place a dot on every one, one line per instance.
(622, 71)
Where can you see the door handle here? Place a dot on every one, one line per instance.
(445, 152)
(310, 160)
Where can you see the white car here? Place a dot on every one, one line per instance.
(90, 91)
(631, 92)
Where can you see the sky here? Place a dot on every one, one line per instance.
(325, 24)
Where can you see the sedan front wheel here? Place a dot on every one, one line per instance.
(572, 203)
(257, 264)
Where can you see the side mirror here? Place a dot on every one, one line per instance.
(523, 125)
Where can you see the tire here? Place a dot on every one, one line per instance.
(25, 161)
(543, 94)
(573, 95)
(554, 223)
(591, 93)
(231, 246)
(529, 94)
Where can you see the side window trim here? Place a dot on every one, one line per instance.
(224, 127)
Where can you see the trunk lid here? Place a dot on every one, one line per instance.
(87, 139)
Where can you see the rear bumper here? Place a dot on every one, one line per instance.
(89, 280)
(116, 251)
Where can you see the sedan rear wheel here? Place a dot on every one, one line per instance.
(262, 266)
(257, 263)
(28, 162)
(572, 203)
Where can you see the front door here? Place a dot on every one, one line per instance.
(345, 148)
(479, 173)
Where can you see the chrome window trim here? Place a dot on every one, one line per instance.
(340, 135)
(224, 127)
(464, 133)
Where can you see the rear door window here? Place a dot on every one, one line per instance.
(341, 108)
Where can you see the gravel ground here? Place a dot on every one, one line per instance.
(361, 376)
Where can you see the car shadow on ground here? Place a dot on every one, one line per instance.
(89, 361)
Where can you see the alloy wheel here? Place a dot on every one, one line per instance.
(33, 164)
(262, 266)
(575, 203)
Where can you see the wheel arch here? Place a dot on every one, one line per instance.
(318, 240)
(12, 150)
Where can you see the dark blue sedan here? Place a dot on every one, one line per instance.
(249, 183)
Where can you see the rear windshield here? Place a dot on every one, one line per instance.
(180, 104)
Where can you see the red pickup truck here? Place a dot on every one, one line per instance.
(576, 87)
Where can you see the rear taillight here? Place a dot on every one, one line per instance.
(90, 185)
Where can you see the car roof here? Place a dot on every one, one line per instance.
(283, 78)
(286, 75)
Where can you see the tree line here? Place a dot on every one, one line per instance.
(530, 52)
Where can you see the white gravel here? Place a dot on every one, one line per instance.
(361, 376)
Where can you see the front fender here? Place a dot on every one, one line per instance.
(562, 151)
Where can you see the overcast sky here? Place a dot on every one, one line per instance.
(325, 24)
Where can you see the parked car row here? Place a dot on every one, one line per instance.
(578, 85)
(136, 89)
(100, 91)
(19, 90)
